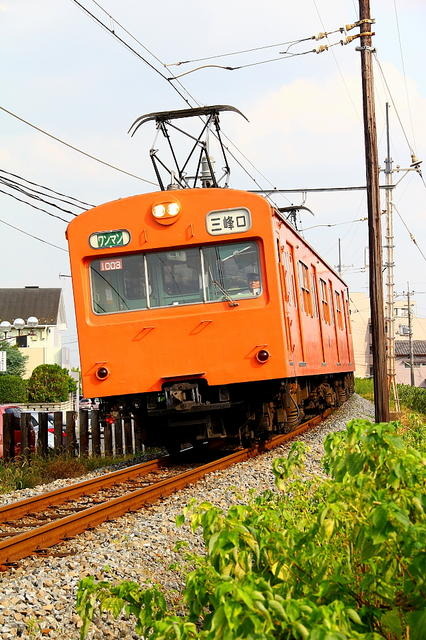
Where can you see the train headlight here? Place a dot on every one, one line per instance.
(102, 373)
(263, 356)
(159, 210)
(173, 208)
(166, 212)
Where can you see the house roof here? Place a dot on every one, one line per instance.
(44, 304)
(402, 348)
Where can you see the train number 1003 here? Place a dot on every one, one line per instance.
(111, 265)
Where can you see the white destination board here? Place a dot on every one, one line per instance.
(229, 221)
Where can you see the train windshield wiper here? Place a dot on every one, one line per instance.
(235, 253)
(231, 302)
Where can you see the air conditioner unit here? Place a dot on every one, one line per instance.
(404, 330)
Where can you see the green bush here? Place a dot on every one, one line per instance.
(12, 389)
(412, 397)
(335, 559)
(364, 386)
(48, 383)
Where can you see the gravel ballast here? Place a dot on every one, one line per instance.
(37, 599)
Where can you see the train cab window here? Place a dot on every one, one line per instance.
(232, 270)
(118, 284)
(304, 282)
(182, 276)
(324, 302)
(175, 277)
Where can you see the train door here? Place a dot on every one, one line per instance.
(284, 295)
(317, 312)
(295, 321)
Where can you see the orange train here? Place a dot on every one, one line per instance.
(205, 312)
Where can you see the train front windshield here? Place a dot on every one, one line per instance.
(195, 275)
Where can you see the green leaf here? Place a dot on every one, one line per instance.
(180, 519)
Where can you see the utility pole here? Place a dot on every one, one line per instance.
(381, 391)
(410, 337)
(389, 271)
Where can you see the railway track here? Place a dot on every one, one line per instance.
(91, 502)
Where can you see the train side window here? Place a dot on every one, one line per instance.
(288, 267)
(348, 313)
(315, 292)
(305, 286)
(324, 301)
(339, 310)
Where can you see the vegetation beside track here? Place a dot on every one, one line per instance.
(320, 559)
(22, 473)
(413, 398)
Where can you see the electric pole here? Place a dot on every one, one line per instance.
(389, 246)
(381, 391)
(410, 337)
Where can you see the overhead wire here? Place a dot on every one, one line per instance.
(53, 215)
(14, 185)
(412, 237)
(404, 73)
(338, 66)
(393, 102)
(36, 184)
(251, 64)
(32, 236)
(70, 146)
(336, 224)
(235, 53)
(173, 85)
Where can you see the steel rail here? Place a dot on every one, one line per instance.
(24, 544)
(59, 496)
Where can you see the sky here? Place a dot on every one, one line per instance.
(65, 74)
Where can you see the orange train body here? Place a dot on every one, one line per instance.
(161, 298)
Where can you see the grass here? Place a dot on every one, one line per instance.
(412, 420)
(409, 397)
(24, 474)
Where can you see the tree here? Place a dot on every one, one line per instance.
(49, 383)
(15, 361)
(12, 389)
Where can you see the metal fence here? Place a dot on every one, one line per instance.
(66, 432)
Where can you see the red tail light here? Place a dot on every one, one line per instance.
(263, 356)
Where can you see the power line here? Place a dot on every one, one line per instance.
(173, 85)
(70, 146)
(338, 66)
(336, 224)
(412, 238)
(15, 185)
(53, 215)
(123, 42)
(403, 71)
(68, 198)
(235, 53)
(393, 103)
(251, 64)
(31, 236)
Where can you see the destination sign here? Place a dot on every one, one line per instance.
(228, 221)
(109, 239)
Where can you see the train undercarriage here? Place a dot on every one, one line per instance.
(191, 413)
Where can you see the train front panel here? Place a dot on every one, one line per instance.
(177, 286)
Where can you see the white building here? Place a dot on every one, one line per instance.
(43, 343)
(362, 337)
